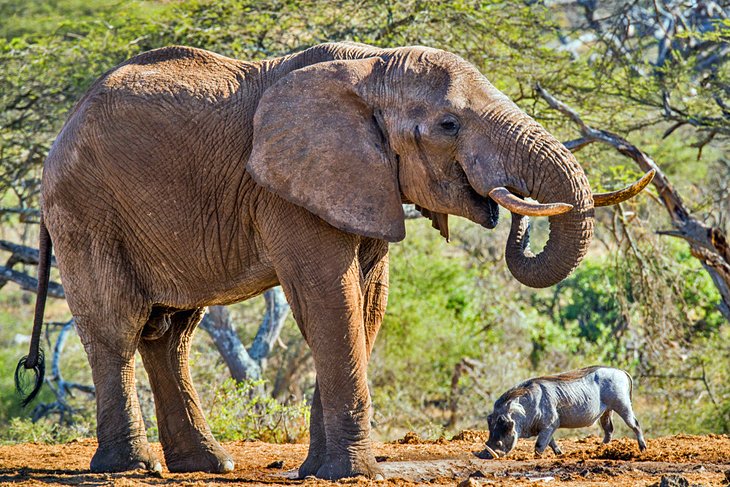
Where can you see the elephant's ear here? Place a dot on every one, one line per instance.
(317, 144)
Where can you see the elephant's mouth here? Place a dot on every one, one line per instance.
(488, 214)
(492, 211)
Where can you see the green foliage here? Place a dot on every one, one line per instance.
(434, 301)
(24, 430)
(239, 411)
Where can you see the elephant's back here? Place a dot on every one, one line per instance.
(185, 73)
(153, 158)
(176, 98)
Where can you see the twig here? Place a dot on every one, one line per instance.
(28, 283)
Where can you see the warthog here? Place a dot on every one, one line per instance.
(575, 399)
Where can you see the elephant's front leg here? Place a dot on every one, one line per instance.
(317, 439)
(334, 329)
(373, 259)
(323, 285)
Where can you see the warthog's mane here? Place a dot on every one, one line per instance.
(524, 388)
(570, 375)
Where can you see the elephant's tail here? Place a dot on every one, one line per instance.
(35, 359)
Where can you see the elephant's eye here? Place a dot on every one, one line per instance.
(450, 126)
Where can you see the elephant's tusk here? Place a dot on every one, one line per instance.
(491, 452)
(515, 204)
(616, 197)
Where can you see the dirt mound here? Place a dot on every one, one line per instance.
(472, 436)
(412, 438)
(699, 460)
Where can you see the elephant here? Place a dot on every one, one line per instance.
(184, 179)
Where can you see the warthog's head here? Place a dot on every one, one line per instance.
(503, 435)
(505, 424)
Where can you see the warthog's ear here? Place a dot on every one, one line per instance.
(489, 420)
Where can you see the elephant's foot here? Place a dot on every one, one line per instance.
(311, 464)
(122, 458)
(210, 458)
(342, 466)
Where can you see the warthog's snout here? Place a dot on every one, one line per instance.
(488, 454)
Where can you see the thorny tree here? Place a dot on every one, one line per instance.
(668, 60)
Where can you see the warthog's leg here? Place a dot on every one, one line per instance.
(556, 449)
(607, 426)
(627, 414)
(544, 438)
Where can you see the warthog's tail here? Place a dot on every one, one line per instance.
(35, 359)
(631, 384)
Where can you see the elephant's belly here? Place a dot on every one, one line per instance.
(218, 288)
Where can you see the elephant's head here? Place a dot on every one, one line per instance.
(351, 140)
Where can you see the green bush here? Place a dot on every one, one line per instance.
(24, 430)
(240, 412)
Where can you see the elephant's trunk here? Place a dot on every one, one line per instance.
(551, 174)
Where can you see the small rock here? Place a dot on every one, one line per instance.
(410, 438)
(470, 482)
(276, 464)
(381, 458)
(478, 474)
(672, 480)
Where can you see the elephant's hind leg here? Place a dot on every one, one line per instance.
(120, 431)
(186, 439)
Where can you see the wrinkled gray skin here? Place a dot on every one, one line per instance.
(576, 399)
(185, 179)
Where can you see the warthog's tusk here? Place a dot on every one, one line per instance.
(616, 197)
(515, 204)
(491, 452)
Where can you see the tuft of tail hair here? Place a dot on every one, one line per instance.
(35, 359)
(21, 382)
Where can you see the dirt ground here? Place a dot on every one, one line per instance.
(699, 460)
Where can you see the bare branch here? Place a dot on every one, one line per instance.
(29, 283)
(217, 322)
(60, 387)
(708, 244)
(277, 310)
(23, 254)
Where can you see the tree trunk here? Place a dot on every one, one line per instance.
(247, 364)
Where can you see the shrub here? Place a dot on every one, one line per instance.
(240, 412)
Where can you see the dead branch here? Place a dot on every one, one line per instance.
(217, 322)
(55, 290)
(708, 244)
(463, 367)
(23, 254)
(247, 364)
